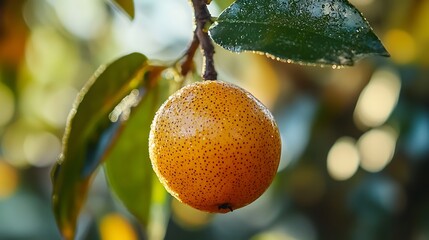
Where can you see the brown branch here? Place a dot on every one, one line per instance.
(188, 64)
(202, 19)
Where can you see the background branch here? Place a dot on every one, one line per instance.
(188, 64)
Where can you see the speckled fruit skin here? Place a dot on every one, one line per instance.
(214, 146)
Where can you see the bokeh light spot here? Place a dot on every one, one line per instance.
(57, 104)
(41, 149)
(51, 105)
(9, 180)
(343, 159)
(361, 2)
(378, 99)
(273, 235)
(12, 144)
(7, 105)
(189, 217)
(376, 148)
(113, 226)
(76, 14)
(417, 137)
(45, 53)
(401, 46)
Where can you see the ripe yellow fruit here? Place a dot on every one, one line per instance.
(214, 146)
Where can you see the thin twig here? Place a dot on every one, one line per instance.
(188, 64)
(202, 19)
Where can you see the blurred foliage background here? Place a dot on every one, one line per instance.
(355, 160)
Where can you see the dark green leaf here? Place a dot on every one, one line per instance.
(322, 32)
(88, 134)
(127, 6)
(127, 165)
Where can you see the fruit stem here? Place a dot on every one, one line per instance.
(202, 19)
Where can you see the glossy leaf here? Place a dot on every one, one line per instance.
(88, 134)
(321, 32)
(128, 168)
(127, 6)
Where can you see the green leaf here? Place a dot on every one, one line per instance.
(88, 135)
(128, 167)
(321, 32)
(127, 6)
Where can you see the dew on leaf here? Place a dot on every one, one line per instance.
(292, 30)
